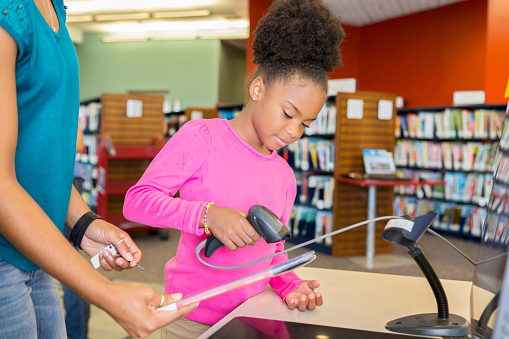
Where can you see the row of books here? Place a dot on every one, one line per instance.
(424, 191)
(497, 222)
(89, 116)
(451, 123)
(474, 188)
(228, 113)
(496, 229)
(504, 139)
(468, 188)
(502, 168)
(172, 123)
(464, 220)
(502, 163)
(469, 156)
(88, 173)
(310, 154)
(499, 201)
(309, 222)
(325, 122)
(89, 153)
(315, 190)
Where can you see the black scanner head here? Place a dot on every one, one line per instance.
(267, 224)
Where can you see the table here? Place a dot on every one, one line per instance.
(356, 300)
(372, 184)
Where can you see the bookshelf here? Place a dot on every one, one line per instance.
(496, 228)
(122, 134)
(329, 149)
(228, 111)
(172, 123)
(86, 161)
(119, 168)
(312, 160)
(457, 144)
(354, 133)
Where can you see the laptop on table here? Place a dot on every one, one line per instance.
(379, 164)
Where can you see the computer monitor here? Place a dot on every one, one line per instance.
(490, 289)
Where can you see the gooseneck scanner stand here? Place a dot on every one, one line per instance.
(406, 232)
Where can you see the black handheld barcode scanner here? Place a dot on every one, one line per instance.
(266, 223)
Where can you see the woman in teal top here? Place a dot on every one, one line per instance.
(39, 100)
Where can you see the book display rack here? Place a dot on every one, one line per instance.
(459, 145)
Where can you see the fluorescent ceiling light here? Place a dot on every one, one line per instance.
(79, 18)
(123, 39)
(222, 37)
(176, 26)
(94, 6)
(180, 14)
(165, 38)
(116, 17)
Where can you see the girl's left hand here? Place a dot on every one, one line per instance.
(304, 296)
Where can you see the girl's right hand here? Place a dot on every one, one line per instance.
(231, 227)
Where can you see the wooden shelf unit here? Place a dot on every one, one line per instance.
(130, 131)
(117, 174)
(350, 204)
(135, 141)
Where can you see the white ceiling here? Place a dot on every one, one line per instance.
(228, 19)
(366, 12)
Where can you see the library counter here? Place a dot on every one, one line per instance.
(355, 302)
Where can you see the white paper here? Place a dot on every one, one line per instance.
(134, 108)
(354, 108)
(196, 115)
(468, 98)
(400, 102)
(385, 108)
(348, 85)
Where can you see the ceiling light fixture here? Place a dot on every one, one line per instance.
(79, 7)
(123, 39)
(180, 14)
(171, 38)
(222, 37)
(117, 17)
(79, 18)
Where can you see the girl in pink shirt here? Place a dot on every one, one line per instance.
(234, 164)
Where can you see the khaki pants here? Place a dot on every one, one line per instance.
(184, 329)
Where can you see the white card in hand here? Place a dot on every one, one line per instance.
(95, 259)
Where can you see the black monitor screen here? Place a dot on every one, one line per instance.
(255, 328)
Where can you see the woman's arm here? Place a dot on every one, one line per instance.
(25, 225)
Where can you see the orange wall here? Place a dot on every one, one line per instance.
(350, 54)
(497, 50)
(426, 56)
(257, 8)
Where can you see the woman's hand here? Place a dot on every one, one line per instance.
(304, 296)
(133, 307)
(99, 235)
(231, 227)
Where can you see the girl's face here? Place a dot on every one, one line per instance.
(284, 110)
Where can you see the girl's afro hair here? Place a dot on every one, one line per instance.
(298, 36)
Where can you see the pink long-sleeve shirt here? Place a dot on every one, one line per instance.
(209, 162)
